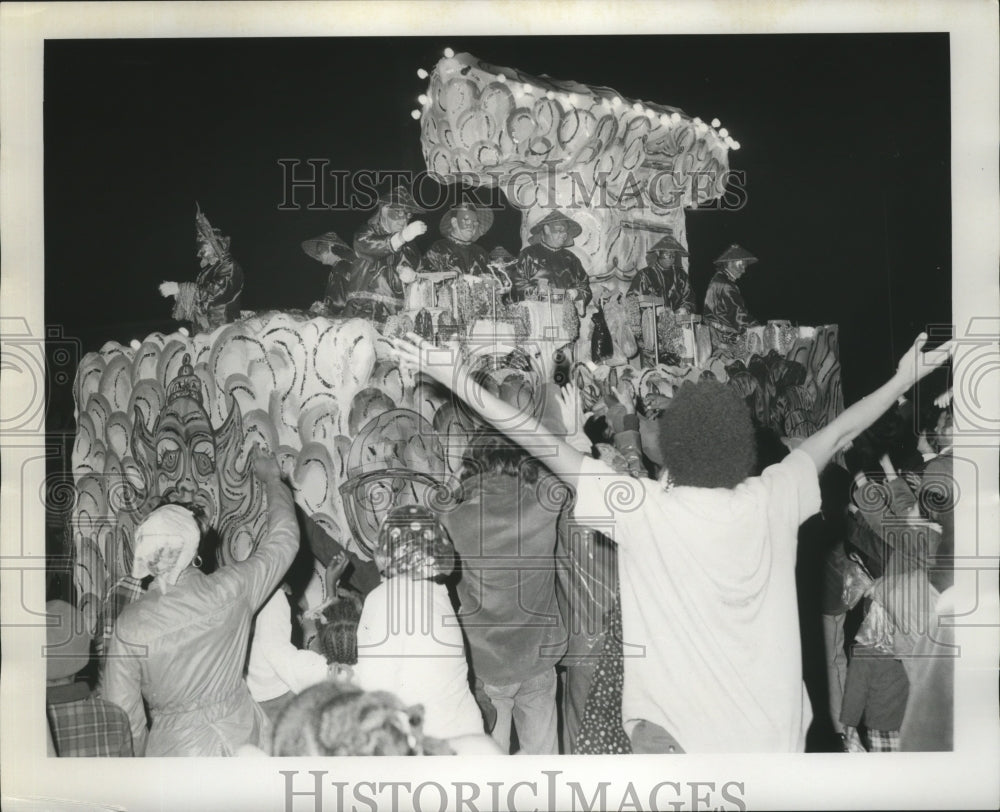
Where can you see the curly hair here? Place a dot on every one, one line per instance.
(329, 719)
(707, 437)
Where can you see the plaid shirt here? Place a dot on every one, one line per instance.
(83, 725)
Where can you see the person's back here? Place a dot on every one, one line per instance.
(708, 578)
(504, 530)
(183, 645)
(194, 640)
(505, 536)
(409, 641)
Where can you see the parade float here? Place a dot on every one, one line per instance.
(177, 416)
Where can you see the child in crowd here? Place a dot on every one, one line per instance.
(409, 640)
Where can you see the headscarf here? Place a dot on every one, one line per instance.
(165, 543)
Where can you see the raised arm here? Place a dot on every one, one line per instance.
(913, 366)
(444, 366)
(267, 565)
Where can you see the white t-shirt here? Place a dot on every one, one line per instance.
(410, 644)
(709, 611)
(276, 666)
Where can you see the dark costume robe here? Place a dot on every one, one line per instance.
(213, 299)
(374, 289)
(455, 256)
(560, 267)
(725, 309)
(670, 284)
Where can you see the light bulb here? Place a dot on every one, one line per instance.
(422, 98)
(716, 123)
(724, 132)
(415, 114)
(422, 73)
(448, 53)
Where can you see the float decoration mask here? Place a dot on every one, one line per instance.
(184, 453)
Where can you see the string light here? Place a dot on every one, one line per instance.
(549, 95)
(716, 123)
(527, 88)
(415, 114)
(736, 144)
(675, 117)
(637, 107)
(448, 53)
(422, 98)
(422, 73)
(501, 78)
(724, 132)
(696, 121)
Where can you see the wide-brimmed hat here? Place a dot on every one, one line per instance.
(735, 252)
(483, 215)
(400, 196)
(67, 649)
(557, 216)
(501, 256)
(317, 246)
(668, 243)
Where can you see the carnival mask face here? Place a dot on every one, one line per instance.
(464, 226)
(394, 218)
(329, 257)
(667, 259)
(185, 457)
(206, 254)
(736, 268)
(555, 235)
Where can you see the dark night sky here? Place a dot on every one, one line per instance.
(845, 144)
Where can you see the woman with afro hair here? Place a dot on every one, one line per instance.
(706, 557)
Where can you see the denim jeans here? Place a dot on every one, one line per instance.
(532, 706)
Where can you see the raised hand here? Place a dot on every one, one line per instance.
(413, 230)
(916, 364)
(417, 355)
(265, 465)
